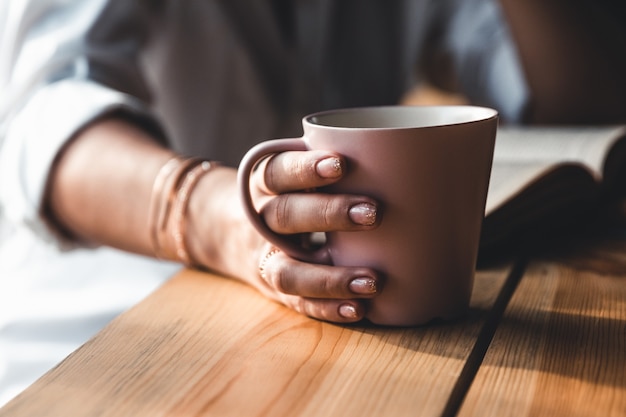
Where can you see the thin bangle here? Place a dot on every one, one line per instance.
(179, 211)
(163, 195)
(155, 207)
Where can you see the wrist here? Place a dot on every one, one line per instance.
(169, 207)
(219, 235)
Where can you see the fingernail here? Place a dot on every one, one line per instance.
(363, 285)
(348, 311)
(329, 168)
(363, 213)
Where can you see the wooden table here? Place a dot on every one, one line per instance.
(546, 336)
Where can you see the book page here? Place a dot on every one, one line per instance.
(522, 155)
(553, 193)
(507, 178)
(542, 175)
(586, 145)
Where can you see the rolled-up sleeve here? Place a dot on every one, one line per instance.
(64, 64)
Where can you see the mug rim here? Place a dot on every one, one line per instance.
(479, 114)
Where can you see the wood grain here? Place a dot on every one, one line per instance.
(203, 345)
(560, 349)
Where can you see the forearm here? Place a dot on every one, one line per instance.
(573, 57)
(99, 189)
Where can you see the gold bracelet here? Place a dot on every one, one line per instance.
(155, 207)
(179, 210)
(168, 199)
(165, 188)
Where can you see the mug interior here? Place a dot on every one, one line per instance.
(390, 117)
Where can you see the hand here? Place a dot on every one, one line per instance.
(321, 291)
(325, 292)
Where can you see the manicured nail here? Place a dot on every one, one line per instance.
(348, 311)
(363, 285)
(329, 168)
(363, 213)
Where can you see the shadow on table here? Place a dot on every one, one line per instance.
(577, 347)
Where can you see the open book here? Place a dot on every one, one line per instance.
(542, 176)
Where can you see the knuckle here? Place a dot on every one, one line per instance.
(315, 308)
(270, 175)
(331, 213)
(327, 211)
(326, 285)
(281, 281)
(300, 170)
(304, 306)
(277, 276)
(282, 213)
(277, 214)
(286, 172)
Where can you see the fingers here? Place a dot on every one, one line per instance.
(290, 276)
(331, 293)
(314, 212)
(293, 171)
(289, 212)
(336, 311)
(324, 292)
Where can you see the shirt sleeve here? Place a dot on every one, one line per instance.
(64, 64)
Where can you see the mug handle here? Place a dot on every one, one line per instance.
(248, 163)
